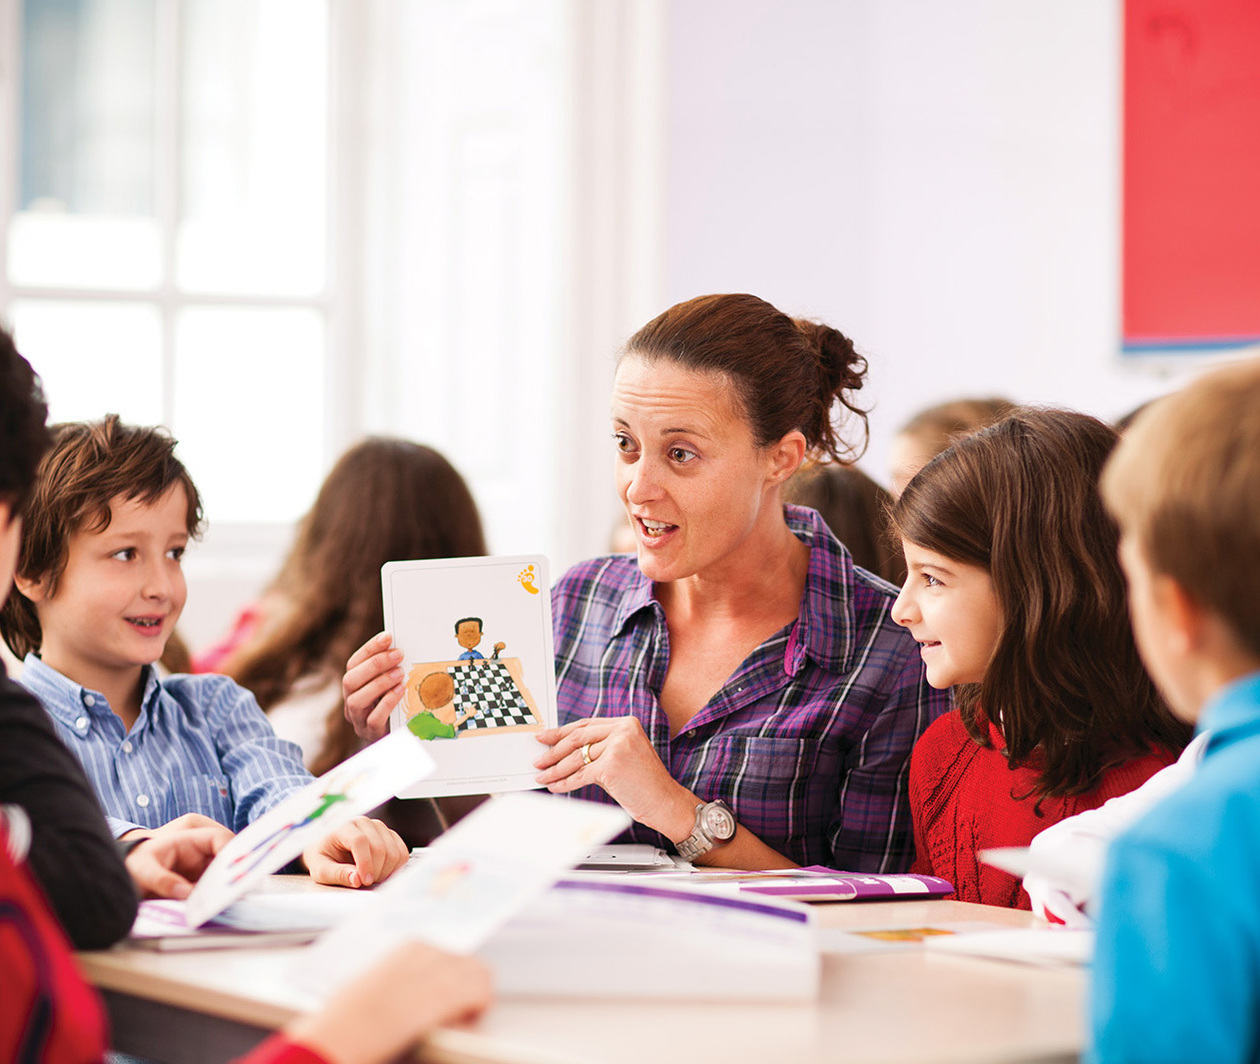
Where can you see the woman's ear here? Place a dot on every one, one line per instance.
(786, 456)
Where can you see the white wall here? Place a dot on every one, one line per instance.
(939, 181)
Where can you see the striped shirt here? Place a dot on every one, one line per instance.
(809, 739)
(200, 745)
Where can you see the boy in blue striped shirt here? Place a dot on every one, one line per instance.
(100, 589)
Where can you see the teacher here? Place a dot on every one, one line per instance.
(738, 687)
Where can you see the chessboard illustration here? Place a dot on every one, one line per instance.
(449, 699)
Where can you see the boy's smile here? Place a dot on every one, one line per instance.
(119, 597)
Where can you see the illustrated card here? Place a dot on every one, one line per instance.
(465, 886)
(374, 775)
(478, 667)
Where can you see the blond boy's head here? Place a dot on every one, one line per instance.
(1184, 486)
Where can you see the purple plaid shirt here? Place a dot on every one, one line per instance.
(808, 741)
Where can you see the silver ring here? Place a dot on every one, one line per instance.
(586, 754)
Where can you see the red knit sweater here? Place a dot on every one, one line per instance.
(965, 797)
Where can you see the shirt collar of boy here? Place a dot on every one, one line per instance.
(1233, 710)
(69, 701)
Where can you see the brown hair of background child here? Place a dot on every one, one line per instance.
(1187, 496)
(1065, 683)
(90, 464)
(936, 427)
(384, 500)
(788, 373)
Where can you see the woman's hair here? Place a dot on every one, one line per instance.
(856, 510)
(90, 464)
(787, 373)
(385, 500)
(1065, 685)
(23, 435)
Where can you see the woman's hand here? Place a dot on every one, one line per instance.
(372, 686)
(620, 758)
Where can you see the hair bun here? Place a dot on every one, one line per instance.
(843, 368)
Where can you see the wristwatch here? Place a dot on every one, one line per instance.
(715, 824)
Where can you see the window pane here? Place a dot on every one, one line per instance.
(254, 151)
(86, 195)
(94, 358)
(249, 409)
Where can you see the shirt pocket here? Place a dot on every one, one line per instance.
(209, 795)
(780, 787)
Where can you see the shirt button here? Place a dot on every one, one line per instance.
(82, 723)
(691, 733)
(127, 747)
(89, 700)
(142, 800)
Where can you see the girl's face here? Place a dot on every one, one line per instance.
(951, 609)
(694, 483)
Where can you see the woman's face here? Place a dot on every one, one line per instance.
(694, 483)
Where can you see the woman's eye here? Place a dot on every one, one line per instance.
(622, 442)
(681, 455)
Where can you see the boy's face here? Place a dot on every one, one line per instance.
(1155, 630)
(122, 590)
(469, 634)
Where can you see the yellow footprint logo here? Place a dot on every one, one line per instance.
(529, 579)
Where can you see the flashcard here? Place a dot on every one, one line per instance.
(361, 783)
(478, 668)
(466, 885)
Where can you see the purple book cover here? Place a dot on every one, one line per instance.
(816, 883)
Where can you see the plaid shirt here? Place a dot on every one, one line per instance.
(200, 745)
(808, 741)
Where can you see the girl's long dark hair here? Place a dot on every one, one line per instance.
(1065, 686)
(385, 500)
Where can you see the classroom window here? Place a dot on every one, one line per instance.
(165, 225)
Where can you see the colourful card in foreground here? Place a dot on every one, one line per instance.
(363, 782)
(466, 885)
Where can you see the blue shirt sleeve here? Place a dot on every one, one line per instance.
(262, 768)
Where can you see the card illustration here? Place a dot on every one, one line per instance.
(478, 668)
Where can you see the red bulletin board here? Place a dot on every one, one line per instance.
(1191, 241)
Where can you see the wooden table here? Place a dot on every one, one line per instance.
(910, 1005)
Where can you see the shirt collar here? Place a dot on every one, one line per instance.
(1234, 710)
(65, 699)
(824, 628)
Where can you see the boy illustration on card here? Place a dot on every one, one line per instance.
(468, 632)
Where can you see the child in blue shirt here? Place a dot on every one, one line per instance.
(100, 590)
(1177, 966)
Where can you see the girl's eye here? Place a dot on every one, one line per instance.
(124, 555)
(930, 580)
(175, 553)
(681, 455)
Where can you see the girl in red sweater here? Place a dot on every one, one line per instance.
(1017, 601)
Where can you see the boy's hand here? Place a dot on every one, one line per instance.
(360, 853)
(407, 994)
(173, 857)
(372, 686)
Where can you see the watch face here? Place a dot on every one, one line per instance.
(719, 822)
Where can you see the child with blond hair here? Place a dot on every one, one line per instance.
(1177, 967)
